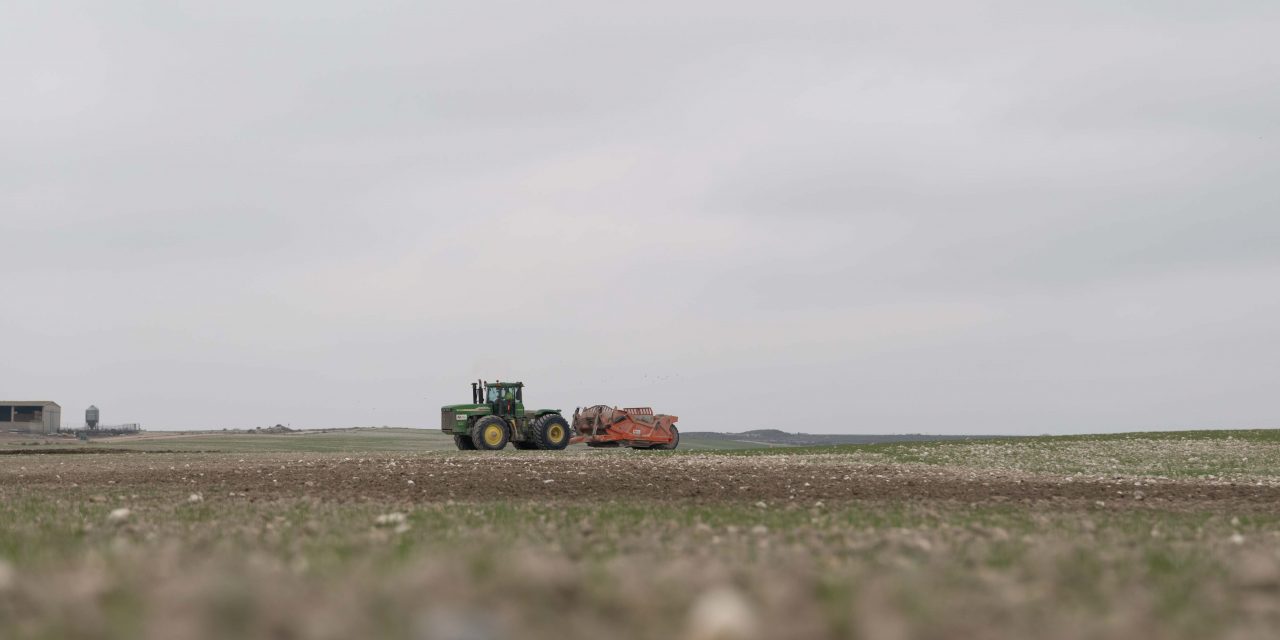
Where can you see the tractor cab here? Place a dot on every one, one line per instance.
(504, 398)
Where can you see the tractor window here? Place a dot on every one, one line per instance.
(501, 393)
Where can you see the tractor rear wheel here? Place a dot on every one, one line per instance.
(675, 440)
(463, 443)
(551, 432)
(490, 433)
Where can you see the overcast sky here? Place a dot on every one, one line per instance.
(940, 217)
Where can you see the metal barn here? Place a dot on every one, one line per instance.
(30, 416)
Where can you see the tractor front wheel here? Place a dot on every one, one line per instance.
(490, 433)
(551, 432)
(463, 443)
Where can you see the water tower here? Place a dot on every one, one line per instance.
(91, 417)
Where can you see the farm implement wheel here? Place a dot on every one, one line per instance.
(464, 443)
(551, 432)
(675, 440)
(490, 433)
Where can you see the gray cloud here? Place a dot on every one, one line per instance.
(820, 216)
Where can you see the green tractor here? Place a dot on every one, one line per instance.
(497, 416)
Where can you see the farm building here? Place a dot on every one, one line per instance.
(31, 416)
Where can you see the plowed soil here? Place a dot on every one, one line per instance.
(371, 534)
(615, 476)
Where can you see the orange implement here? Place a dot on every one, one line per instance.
(635, 427)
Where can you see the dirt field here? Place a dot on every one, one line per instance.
(1167, 535)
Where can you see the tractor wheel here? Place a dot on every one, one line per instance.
(551, 432)
(523, 445)
(490, 433)
(675, 440)
(464, 443)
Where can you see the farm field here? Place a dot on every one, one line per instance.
(374, 533)
(334, 440)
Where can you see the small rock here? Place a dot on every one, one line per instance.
(761, 505)
(119, 515)
(760, 530)
(458, 625)
(194, 498)
(1237, 539)
(721, 614)
(389, 519)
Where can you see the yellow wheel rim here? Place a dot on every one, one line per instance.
(555, 433)
(492, 435)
